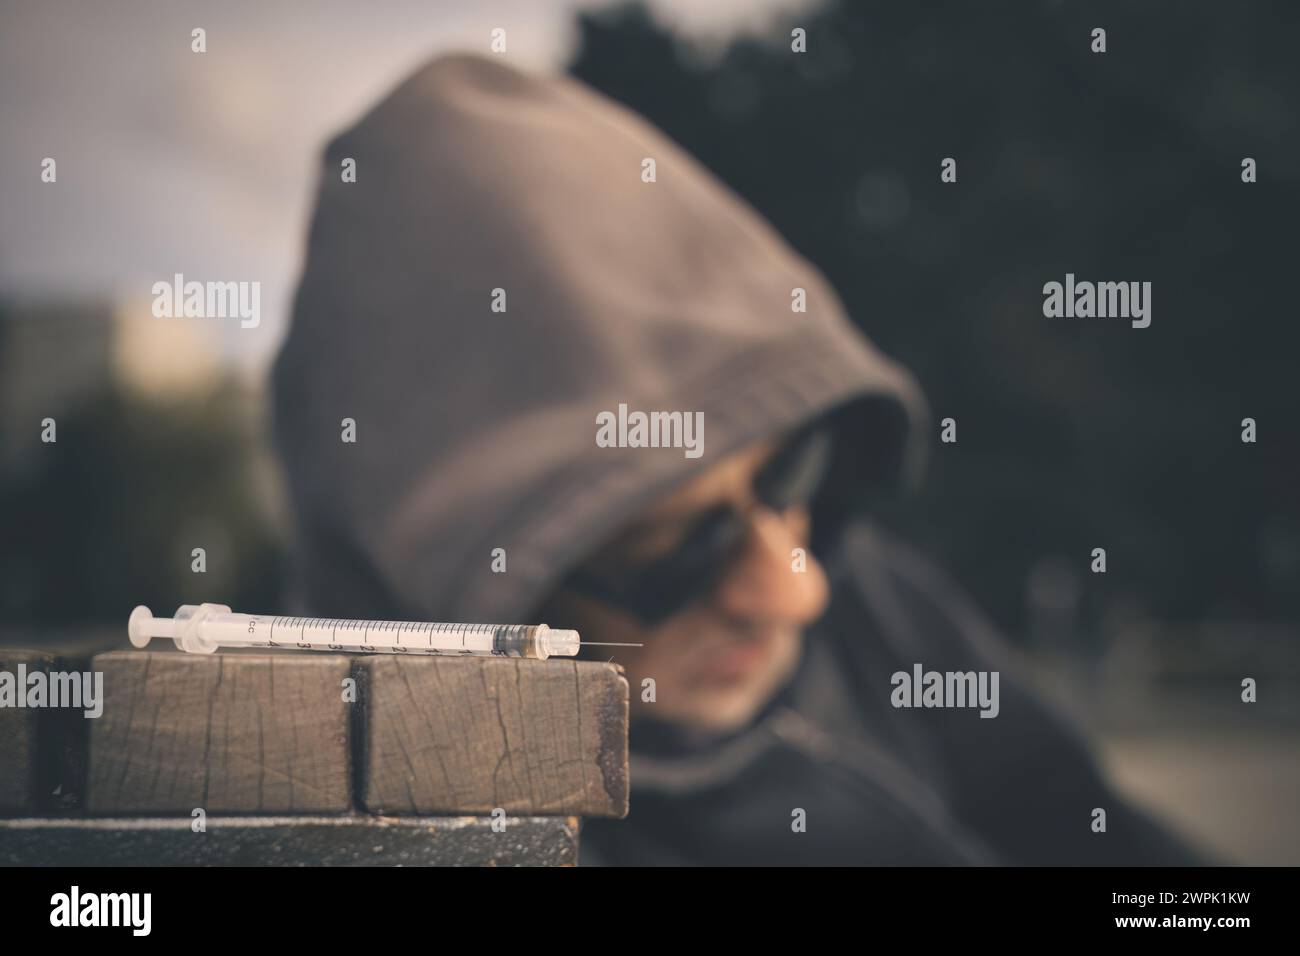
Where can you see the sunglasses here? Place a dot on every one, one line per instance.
(656, 590)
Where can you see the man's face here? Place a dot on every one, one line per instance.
(719, 660)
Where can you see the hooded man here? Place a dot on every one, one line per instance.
(563, 344)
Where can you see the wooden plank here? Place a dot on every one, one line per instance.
(470, 735)
(18, 735)
(291, 841)
(230, 733)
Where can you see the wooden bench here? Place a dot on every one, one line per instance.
(301, 757)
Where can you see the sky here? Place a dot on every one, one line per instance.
(170, 161)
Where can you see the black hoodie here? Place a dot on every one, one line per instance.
(478, 186)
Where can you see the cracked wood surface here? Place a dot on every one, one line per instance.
(257, 733)
(471, 735)
(271, 734)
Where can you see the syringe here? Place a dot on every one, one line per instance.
(202, 628)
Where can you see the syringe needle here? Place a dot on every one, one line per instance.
(607, 644)
(204, 628)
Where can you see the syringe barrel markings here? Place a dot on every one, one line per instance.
(202, 629)
(401, 636)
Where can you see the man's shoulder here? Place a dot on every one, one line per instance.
(905, 590)
(867, 548)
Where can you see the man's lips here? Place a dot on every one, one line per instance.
(735, 660)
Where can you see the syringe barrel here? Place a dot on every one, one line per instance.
(203, 628)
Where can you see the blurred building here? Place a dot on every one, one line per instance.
(57, 356)
(159, 449)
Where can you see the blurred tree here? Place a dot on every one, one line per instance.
(107, 517)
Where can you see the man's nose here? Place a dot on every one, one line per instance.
(768, 580)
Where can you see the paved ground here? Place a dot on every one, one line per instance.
(1237, 795)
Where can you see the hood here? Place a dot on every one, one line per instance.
(476, 427)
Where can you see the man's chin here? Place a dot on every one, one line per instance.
(730, 698)
(727, 716)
